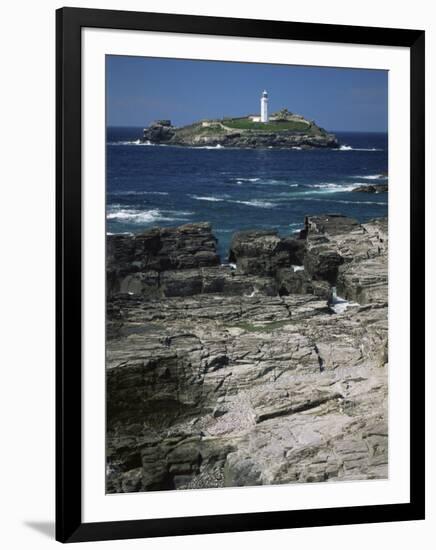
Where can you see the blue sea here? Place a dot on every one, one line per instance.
(234, 189)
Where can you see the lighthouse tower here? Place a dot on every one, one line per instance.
(264, 107)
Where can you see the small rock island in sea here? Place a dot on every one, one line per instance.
(282, 129)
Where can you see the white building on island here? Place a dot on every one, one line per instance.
(263, 109)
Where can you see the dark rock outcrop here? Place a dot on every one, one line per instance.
(379, 188)
(298, 281)
(159, 132)
(220, 280)
(262, 252)
(330, 224)
(322, 261)
(135, 262)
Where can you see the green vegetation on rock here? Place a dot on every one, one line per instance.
(272, 126)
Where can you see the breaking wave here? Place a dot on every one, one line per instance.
(371, 177)
(145, 216)
(315, 189)
(329, 188)
(339, 201)
(349, 148)
(209, 199)
(134, 142)
(122, 193)
(258, 203)
(213, 147)
(265, 181)
(138, 142)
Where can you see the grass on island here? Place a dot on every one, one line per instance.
(245, 124)
(193, 129)
(272, 126)
(215, 129)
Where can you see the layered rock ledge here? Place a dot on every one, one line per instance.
(239, 374)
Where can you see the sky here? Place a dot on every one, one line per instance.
(140, 90)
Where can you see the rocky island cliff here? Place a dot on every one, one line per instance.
(283, 130)
(240, 374)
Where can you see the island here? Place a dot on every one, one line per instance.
(282, 129)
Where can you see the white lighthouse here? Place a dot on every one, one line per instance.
(264, 107)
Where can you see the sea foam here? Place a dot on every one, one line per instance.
(370, 177)
(329, 188)
(145, 216)
(349, 148)
(209, 199)
(340, 201)
(258, 203)
(127, 193)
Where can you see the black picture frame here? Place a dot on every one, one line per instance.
(69, 525)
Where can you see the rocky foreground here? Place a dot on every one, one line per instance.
(222, 376)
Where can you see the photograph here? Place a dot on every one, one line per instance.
(246, 274)
(217, 281)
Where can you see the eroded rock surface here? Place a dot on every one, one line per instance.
(221, 377)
